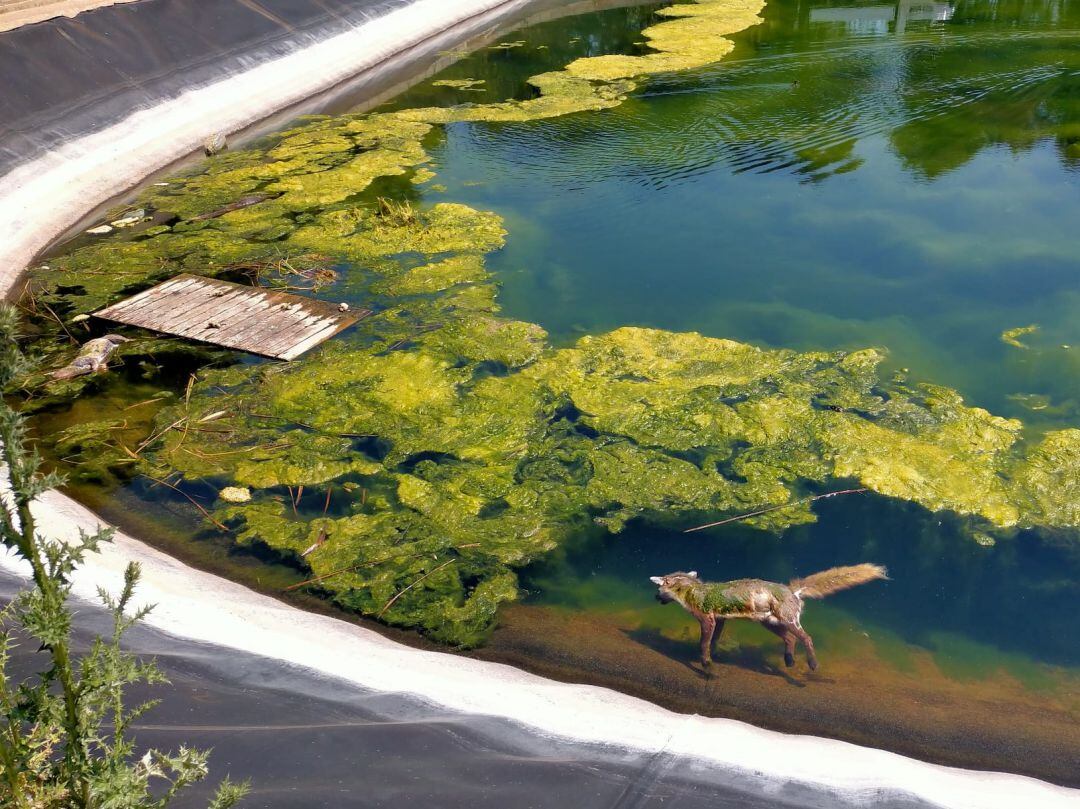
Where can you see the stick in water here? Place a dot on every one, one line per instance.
(773, 508)
(404, 590)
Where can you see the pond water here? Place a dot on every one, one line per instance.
(834, 182)
(902, 177)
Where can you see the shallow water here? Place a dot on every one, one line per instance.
(902, 177)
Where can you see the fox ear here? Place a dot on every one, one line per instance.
(656, 580)
(692, 574)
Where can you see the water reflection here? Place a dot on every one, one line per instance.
(821, 188)
(882, 19)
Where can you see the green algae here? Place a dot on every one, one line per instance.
(1012, 336)
(1049, 480)
(455, 445)
(437, 276)
(423, 175)
(494, 470)
(461, 84)
(694, 35)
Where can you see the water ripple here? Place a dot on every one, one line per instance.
(801, 113)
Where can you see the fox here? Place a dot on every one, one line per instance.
(777, 607)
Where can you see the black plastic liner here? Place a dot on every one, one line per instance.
(309, 741)
(67, 77)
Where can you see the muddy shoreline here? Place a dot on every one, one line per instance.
(984, 731)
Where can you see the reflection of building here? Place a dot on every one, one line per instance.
(876, 19)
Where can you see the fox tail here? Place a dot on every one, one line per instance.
(836, 579)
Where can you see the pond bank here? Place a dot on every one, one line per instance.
(304, 740)
(64, 161)
(203, 607)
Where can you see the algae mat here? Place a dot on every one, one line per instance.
(416, 466)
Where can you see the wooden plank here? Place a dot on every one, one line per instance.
(218, 309)
(200, 308)
(140, 301)
(163, 302)
(295, 331)
(253, 319)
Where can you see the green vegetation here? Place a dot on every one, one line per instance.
(416, 465)
(64, 732)
(460, 84)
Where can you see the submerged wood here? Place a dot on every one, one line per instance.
(259, 321)
(92, 357)
(240, 204)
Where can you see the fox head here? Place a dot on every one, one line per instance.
(675, 586)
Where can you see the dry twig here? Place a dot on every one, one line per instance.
(773, 508)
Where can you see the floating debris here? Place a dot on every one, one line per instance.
(100, 230)
(1010, 336)
(235, 494)
(130, 219)
(215, 144)
(259, 321)
(475, 85)
(92, 357)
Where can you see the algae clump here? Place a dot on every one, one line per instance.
(693, 35)
(1012, 336)
(415, 465)
(466, 475)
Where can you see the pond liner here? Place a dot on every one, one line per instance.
(68, 77)
(306, 740)
(231, 624)
(93, 105)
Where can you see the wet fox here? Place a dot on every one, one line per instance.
(777, 607)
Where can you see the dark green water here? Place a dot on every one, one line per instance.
(904, 177)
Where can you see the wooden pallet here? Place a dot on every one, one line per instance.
(253, 319)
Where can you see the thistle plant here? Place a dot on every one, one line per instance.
(65, 729)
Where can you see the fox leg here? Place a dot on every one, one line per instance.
(787, 637)
(708, 627)
(807, 642)
(789, 649)
(719, 631)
